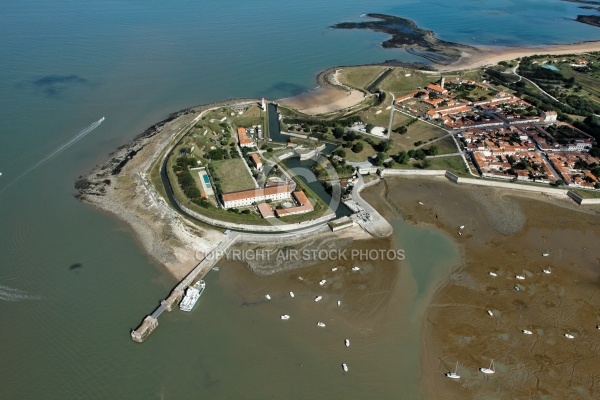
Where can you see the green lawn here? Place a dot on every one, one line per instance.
(587, 194)
(359, 157)
(398, 83)
(359, 77)
(233, 174)
(418, 132)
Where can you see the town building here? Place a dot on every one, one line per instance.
(304, 205)
(248, 197)
(256, 161)
(243, 139)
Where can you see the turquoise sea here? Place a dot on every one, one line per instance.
(73, 281)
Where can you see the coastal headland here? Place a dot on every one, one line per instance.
(505, 232)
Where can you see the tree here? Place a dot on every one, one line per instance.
(432, 150)
(403, 157)
(350, 136)
(338, 132)
(340, 153)
(369, 128)
(358, 147)
(379, 159)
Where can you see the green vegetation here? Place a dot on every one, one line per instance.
(231, 175)
(359, 77)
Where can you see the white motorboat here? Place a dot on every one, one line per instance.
(334, 269)
(493, 274)
(347, 342)
(192, 294)
(490, 370)
(421, 203)
(344, 367)
(527, 332)
(322, 282)
(321, 324)
(597, 326)
(339, 303)
(545, 254)
(318, 298)
(453, 375)
(490, 313)
(547, 271)
(267, 296)
(355, 268)
(285, 317)
(462, 227)
(292, 294)
(520, 277)
(518, 289)
(569, 336)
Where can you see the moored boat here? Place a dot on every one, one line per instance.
(344, 367)
(192, 294)
(285, 317)
(321, 324)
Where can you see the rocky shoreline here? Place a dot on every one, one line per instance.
(120, 186)
(407, 35)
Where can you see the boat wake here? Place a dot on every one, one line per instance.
(12, 294)
(59, 150)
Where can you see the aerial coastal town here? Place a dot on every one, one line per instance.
(230, 164)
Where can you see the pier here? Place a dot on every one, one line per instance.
(150, 322)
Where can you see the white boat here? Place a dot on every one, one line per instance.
(291, 294)
(525, 331)
(493, 274)
(318, 298)
(597, 326)
(520, 277)
(490, 370)
(339, 303)
(344, 367)
(491, 314)
(421, 203)
(285, 317)
(322, 282)
(347, 342)
(321, 324)
(545, 254)
(453, 375)
(518, 289)
(215, 269)
(355, 268)
(569, 336)
(267, 296)
(462, 227)
(192, 294)
(547, 271)
(334, 269)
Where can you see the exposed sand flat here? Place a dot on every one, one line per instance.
(323, 100)
(457, 326)
(493, 55)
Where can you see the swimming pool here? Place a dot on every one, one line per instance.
(206, 180)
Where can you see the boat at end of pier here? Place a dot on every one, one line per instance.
(192, 294)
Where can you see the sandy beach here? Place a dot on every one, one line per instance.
(330, 96)
(493, 55)
(507, 233)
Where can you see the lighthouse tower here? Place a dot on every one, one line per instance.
(442, 82)
(264, 104)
